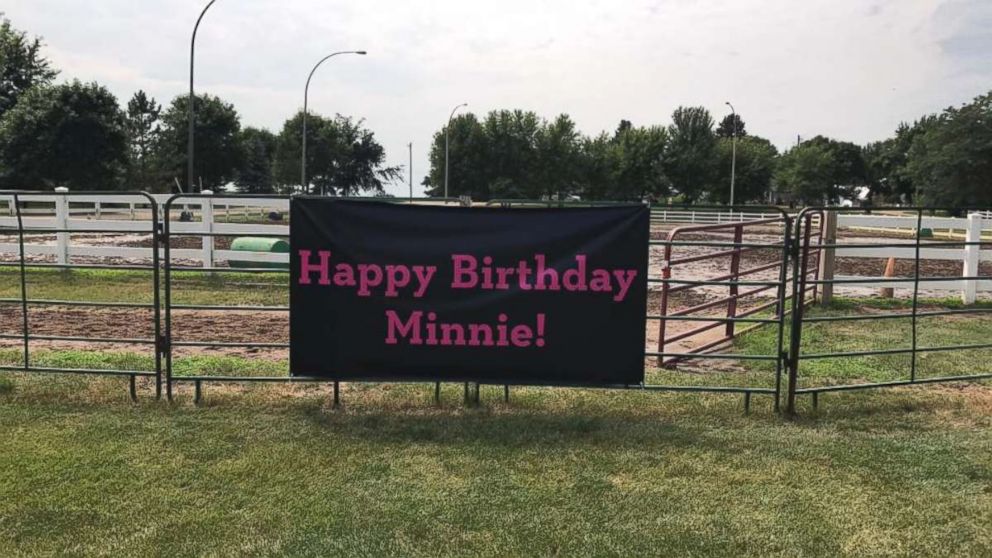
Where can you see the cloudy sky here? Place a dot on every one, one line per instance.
(850, 69)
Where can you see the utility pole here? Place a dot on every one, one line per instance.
(410, 170)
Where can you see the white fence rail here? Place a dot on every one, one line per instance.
(970, 256)
(131, 215)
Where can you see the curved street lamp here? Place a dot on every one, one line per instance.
(189, 111)
(306, 96)
(446, 144)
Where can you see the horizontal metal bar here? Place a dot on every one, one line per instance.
(187, 269)
(704, 282)
(721, 301)
(846, 354)
(704, 243)
(233, 308)
(722, 356)
(897, 280)
(93, 371)
(34, 337)
(44, 265)
(234, 345)
(44, 231)
(908, 244)
(858, 317)
(42, 302)
(634, 387)
(736, 319)
(851, 387)
(173, 234)
(702, 257)
(692, 332)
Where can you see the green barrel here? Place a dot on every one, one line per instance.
(255, 244)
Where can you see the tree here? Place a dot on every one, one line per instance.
(848, 168)
(255, 176)
(557, 172)
(70, 135)
(806, 174)
(218, 152)
(343, 157)
(756, 160)
(729, 124)
(21, 65)
(626, 166)
(640, 163)
(498, 157)
(950, 160)
(512, 147)
(469, 163)
(143, 131)
(690, 153)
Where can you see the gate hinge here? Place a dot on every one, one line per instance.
(162, 344)
(793, 247)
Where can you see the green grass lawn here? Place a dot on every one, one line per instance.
(273, 470)
(108, 285)
(871, 334)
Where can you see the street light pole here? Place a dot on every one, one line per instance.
(306, 97)
(189, 115)
(733, 149)
(410, 170)
(446, 145)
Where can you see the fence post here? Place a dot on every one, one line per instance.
(207, 215)
(972, 257)
(827, 262)
(735, 269)
(62, 223)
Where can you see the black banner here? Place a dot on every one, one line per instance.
(384, 291)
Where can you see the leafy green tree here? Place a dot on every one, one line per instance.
(71, 135)
(343, 157)
(729, 124)
(626, 166)
(256, 175)
(21, 65)
(559, 157)
(756, 160)
(639, 163)
(498, 157)
(218, 153)
(849, 168)
(512, 142)
(143, 129)
(690, 153)
(950, 160)
(806, 174)
(600, 164)
(469, 166)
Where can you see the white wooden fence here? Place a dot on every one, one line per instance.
(131, 215)
(969, 256)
